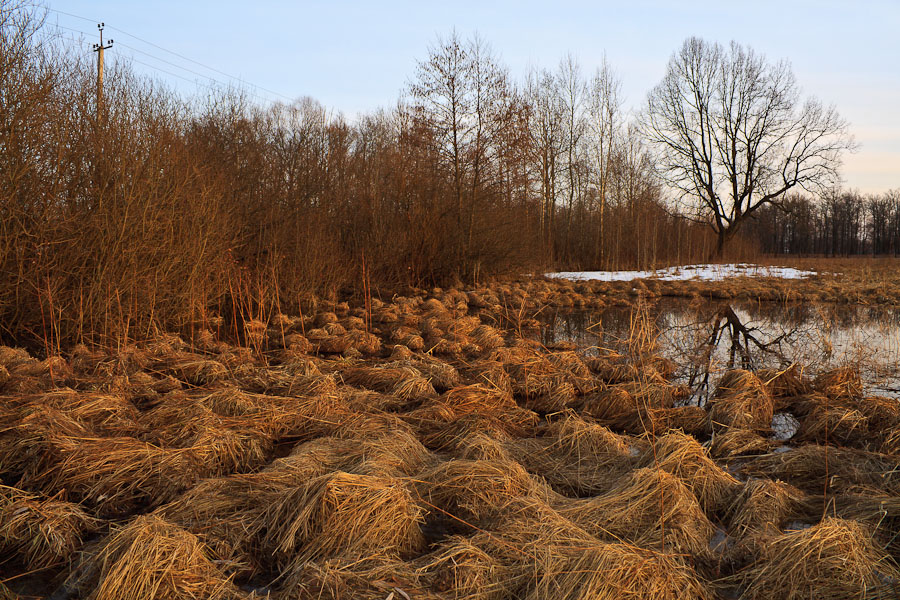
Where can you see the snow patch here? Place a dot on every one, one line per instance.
(711, 272)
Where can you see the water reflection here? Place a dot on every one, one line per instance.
(706, 338)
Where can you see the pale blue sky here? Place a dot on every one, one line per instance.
(357, 56)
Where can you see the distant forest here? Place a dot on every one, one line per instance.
(839, 223)
(144, 208)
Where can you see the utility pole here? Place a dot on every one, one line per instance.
(99, 48)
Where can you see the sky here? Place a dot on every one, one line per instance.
(355, 57)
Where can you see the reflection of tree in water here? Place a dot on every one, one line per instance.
(743, 344)
(704, 338)
(569, 326)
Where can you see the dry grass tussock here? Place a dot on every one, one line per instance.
(342, 513)
(149, 558)
(681, 455)
(500, 470)
(815, 469)
(648, 507)
(763, 506)
(41, 531)
(831, 560)
(617, 571)
(741, 401)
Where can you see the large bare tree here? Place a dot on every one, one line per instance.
(733, 134)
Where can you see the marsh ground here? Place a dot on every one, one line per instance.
(450, 444)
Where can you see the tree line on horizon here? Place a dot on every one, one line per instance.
(151, 209)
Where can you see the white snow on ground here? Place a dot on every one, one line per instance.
(712, 272)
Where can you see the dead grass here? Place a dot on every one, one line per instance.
(843, 383)
(575, 457)
(824, 423)
(149, 559)
(681, 455)
(474, 492)
(648, 507)
(43, 532)
(617, 571)
(785, 383)
(499, 469)
(341, 513)
(741, 401)
(115, 475)
(221, 444)
(354, 576)
(404, 382)
(763, 506)
(817, 469)
(738, 442)
(834, 559)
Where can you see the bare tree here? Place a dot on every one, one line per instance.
(571, 89)
(464, 94)
(733, 134)
(546, 116)
(605, 124)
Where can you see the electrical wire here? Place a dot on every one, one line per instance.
(222, 85)
(181, 56)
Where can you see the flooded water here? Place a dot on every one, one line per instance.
(706, 338)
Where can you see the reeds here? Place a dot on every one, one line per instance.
(507, 470)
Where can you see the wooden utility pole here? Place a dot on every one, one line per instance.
(99, 48)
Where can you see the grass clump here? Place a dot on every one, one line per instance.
(835, 559)
(621, 571)
(42, 532)
(151, 559)
(741, 401)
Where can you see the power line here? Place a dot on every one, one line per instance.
(160, 69)
(86, 44)
(200, 63)
(222, 84)
(181, 56)
(200, 83)
(62, 12)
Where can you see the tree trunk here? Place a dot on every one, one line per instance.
(721, 237)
